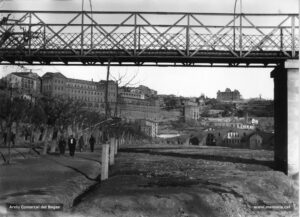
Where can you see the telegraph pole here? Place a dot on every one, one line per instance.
(8, 134)
(107, 115)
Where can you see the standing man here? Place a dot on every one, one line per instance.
(92, 143)
(72, 145)
(62, 145)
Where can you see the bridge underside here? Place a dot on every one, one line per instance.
(148, 58)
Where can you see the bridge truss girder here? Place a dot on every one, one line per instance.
(146, 38)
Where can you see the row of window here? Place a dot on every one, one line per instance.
(132, 94)
(92, 87)
(59, 88)
(24, 85)
(85, 92)
(28, 81)
(85, 86)
(58, 81)
(232, 141)
(85, 98)
(233, 135)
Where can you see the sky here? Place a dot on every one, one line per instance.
(184, 81)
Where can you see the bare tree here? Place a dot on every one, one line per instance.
(122, 79)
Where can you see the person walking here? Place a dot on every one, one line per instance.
(81, 143)
(12, 138)
(92, 143)
(72, 145)
(62, 145)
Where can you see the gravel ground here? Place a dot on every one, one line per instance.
(152, 181)
(190, 182)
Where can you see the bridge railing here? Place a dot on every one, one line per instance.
(138, 33)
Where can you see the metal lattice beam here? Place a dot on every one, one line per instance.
(148, 38)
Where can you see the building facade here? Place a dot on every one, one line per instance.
(149, 127)
(191, 110)
(91, 93)
(26, 82)
(228, 95)
(125, 92)
(133, 106)
(255, 141)
(148, 92)
(260, 139)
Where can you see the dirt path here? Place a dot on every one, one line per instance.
(48, 179)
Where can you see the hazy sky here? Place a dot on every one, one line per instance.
(257, 6)
(170, 80)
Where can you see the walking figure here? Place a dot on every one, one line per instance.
(81, 143)
(62, 145)
(92, 143)
(72, 145)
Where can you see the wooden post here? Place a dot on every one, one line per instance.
(36, 136)
(48, 138)
(112, 152)
(104, 162)
(116, 146)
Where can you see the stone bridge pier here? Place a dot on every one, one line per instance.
(287, 118)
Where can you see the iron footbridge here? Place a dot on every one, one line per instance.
(147, 38)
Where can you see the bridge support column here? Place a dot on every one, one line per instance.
(286, 115)
(293, 81)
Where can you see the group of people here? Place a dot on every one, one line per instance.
(12, 138)
(72, 144)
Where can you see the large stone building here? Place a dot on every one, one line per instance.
(149, 127)
(260, 139)
(191, 109)
(129, 92)
(26, 82)
(229, 123)
(145, 90)
(134, 106)
(91, 93)
(229, 95)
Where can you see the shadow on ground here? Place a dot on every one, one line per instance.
(201, 156)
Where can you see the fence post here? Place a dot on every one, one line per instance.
(112, 152)
(104, 162)
(116, 146)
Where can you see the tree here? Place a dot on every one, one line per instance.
(171, 103)
(13, 109)
(124, 81)
(240, 113)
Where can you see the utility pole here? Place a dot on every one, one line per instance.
(107, 112)
(8, 135)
